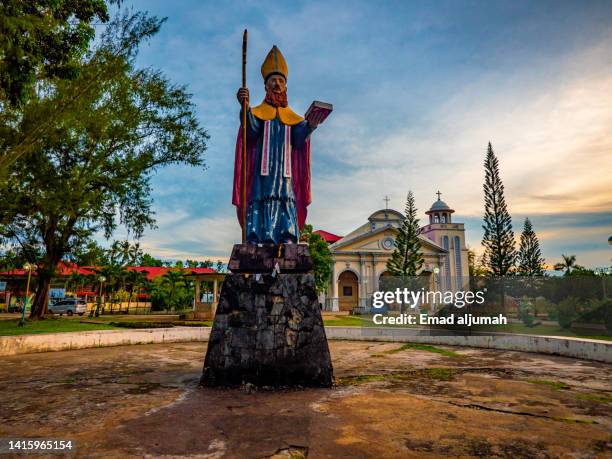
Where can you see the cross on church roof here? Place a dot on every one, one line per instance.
(386, 199)
(438, 193)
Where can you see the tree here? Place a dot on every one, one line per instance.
(43, 40)
(92, 171)
(498, 239)
(221, 267)
(191, 263)
(126, 254)
(134, 280)
(206, 264)
(89, 253)
(109, 277)
(530, 260)
(475, 264)
(75, 281)
(148, 260)
(567, 265)
(407, 259)
(172, 290)
(320, 254)
(11, 259)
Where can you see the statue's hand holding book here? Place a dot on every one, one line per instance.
(317, 113)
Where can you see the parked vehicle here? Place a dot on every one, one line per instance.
(69, 307)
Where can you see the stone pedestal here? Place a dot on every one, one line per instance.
(268, 329)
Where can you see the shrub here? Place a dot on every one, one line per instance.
(567, 311)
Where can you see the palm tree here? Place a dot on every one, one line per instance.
(124, 253)
(172, 281)
(75, 280)
(134, 280)
(112, 274)
(568, 263)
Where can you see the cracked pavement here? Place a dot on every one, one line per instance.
(143, 401)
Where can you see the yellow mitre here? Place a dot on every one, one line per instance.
(275, 64)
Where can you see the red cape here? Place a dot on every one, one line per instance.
(300, 177)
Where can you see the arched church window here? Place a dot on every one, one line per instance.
(458, 271)
(447, 274)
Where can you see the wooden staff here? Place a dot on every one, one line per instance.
(244, 138)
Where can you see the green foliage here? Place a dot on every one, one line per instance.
(321, 257)
(558, 385)
(139, 325)
(407, 258)
(543, 304)
(475, 265)
(171, 291)
(11, 259)
(121, 295)
(582, 271)
(43, 40)
(526, 313)
(567, 265)
(567, 311)
(607, 314)
(148, 260)
(89, 253)
(49, 325)
(498, 239)
(125, 254)
(424, 347)
(92, 171)
(595, 398)
(599, 312)
(530, 260)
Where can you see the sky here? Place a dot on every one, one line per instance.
(419, 88)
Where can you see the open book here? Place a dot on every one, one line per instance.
(318, 112)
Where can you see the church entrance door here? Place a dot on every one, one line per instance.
(348, 290)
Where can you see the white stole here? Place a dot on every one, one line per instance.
(265, 153)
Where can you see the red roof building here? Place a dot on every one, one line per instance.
(154, 272)
(330, 238)
(65, 269)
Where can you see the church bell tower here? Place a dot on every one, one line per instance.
(454, 269)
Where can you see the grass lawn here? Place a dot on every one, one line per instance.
(347, 321)
(54, 325)
(547, 330)
(62, 324)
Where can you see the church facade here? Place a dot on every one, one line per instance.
(360, 257)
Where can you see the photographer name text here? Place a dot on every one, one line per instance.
(423, 319)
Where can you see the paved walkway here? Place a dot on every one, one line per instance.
(144, 401)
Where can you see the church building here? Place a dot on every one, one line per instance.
(360, 257)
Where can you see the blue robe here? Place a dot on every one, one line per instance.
(271, 211)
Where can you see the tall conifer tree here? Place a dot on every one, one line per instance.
(498, 239)
(530, 260)
(407, 258)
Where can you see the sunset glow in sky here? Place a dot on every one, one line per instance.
(419, 89)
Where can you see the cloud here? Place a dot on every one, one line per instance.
(418, 91)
